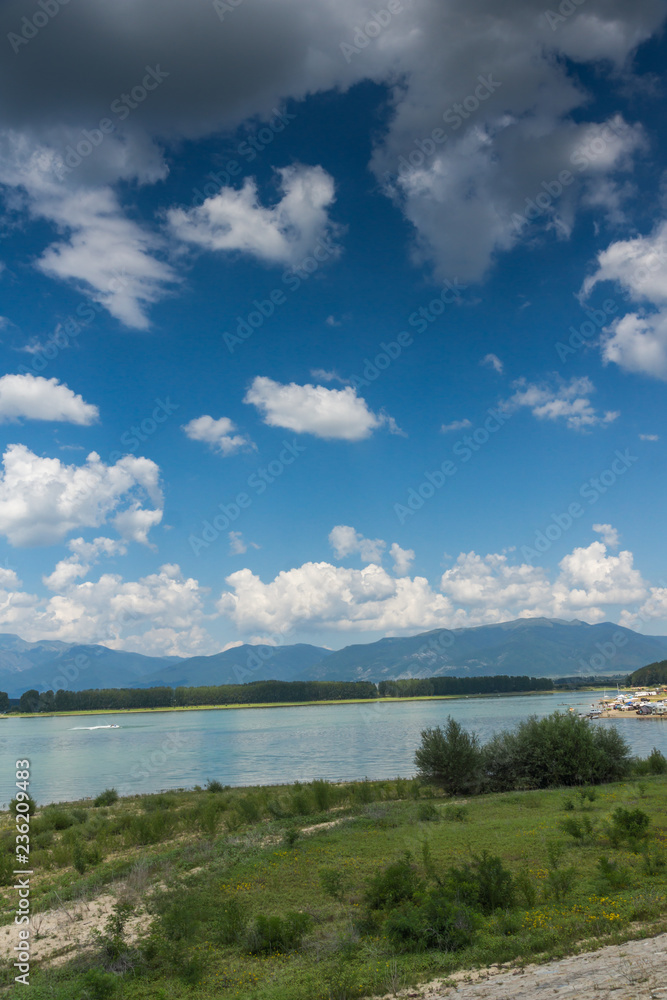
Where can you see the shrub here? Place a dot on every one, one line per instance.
(291, 835)
(560, 749)
(484, 884)
(559, 883)
(301, 801)
(106, 798)
(450, 758)
(362, 792)
(14, 804)
(628, 825)
(525, 888)
(580, 828)
(249, 808)
(455, 814)
(611, 875)
(657, 762)
(393, 885)
(214, 786)
(433, 922)
(99, 985)
(232, 921)
(324, 795)
(57, 819)
(427, 813)
(277, 933)
(333, 882)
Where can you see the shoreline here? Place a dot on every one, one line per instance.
(284, 704)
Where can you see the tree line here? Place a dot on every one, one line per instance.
(265, 692)
(423, 687)
(653, 673)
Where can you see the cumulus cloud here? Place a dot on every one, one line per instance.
(37, 398)
(610, 535)
(493, 361)
(345, 541)
(42, 500)
(238, 545)
(84, 556)
(476, 590)
(234, 220)
(314, 409)
(568, 401)
(637, 342)
(403, 559)
(456, 425)
(219, 434)
(501, 86)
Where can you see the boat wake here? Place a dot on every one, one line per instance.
(95, 727)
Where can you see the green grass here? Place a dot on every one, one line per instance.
(222, 863)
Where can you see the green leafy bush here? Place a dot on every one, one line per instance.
(106, 798)
(277, 933)
(628, 825)
(580, 828)
(396, 883)
(333, 882)
(232, 921)
(434, 921)
(483, 884)
(427, 813)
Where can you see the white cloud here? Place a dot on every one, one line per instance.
(649, 437)
(610, 535)
(493, 361)
(236, 544)
(85, 555)
(456, 425)
(314, 409)
(637, 342)
(478, 589)
(219, 434)
(37, 398)
(345, 541)
(403, 559)
(234, 220)
(42, 500)
(568, 401)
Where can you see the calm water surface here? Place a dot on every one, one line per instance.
(71, 757)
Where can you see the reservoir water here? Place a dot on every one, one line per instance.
(73, 757)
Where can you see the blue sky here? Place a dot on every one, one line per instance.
(305, 342)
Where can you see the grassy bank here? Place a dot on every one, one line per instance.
(208, 880)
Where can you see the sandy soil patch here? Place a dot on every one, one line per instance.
(57, 934)
(635, 970)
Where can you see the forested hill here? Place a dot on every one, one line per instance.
(653, 673)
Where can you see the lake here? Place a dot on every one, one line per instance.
(73, 757)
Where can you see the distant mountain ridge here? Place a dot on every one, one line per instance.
(538, 647)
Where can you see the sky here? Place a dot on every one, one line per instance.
(324, 321)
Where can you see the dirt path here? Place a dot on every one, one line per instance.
(636, 970)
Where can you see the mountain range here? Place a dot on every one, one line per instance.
(539, 647)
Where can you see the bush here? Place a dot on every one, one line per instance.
(450, 758)
(393, 885)
(580, 828)
(57, 819)
(232, 922)
(484, 884)
(427, 813)
(433, 922)
(657, 762)
(628, 825)
(560, 749)
(106, 798)
(455, 814)
(214, 786)
(611, 875)
(324, 794)
(333, 882)
(277, 933)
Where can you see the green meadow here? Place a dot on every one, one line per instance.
(332, 892)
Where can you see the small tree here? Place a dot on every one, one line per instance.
(450, 758)
(4, 701)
